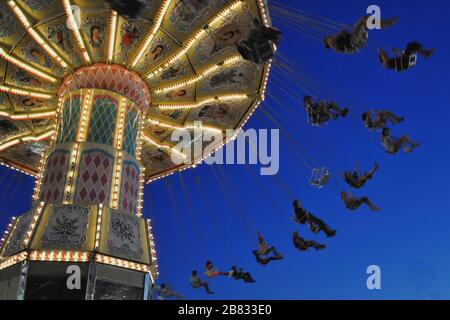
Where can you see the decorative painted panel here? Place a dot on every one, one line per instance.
(39, 4)
(94, 177)
(16, 241)
(103, 121)
(18, 77)
(7, 21)
(55, 176)
(124, 236)
(70, 118)
(130, 187)
(28, 50)
(131, 132)
(93, 28)
(66, 228)
(61, 39)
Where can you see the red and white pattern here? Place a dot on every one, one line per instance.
(55, 177)
(94, 178)
(130, 188)
(112, 78)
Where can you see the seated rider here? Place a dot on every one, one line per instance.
(197, 283)
(156, 289)
(322, 111)
(212, 272)
(357, 181)
(406, 59)
(353, 203)
(304, 245)
(240, 274)
(350, 42)
(259, 45)
(263, 254)
(166, 292)
(377, 120)
(393, 145)
(303, 216)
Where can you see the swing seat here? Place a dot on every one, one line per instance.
(259, 47)
(413, 60)
(317, 119)
(404, 63)
(320, 177)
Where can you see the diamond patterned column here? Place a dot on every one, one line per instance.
(94, 156)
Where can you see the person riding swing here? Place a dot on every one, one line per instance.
(266, 253)
(321, 112)
(356, 180)
(351, 42)
(406, 59)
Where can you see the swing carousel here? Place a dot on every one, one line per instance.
(89, 99)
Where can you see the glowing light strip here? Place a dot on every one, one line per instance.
(27, 67)
(141, 193)
(70, 174)
(27, 138)
(60, 256)
(165, 175)
(36, 36)
(82, 132)
(25, 93)
(76, 32)
(99, 226)
(116, 183)
(59, 110)
(139, 142)
(163, 146)
(152, 246)
(13, 260)
(263, 10)
(163, 124)
(217, 99)
(28, 116)
(33, 223)
(112, 35)
(8, 232)
(18, 170)
(266, 81)
(121, 125)
(190, 42)
(39, 180)
(157, 21)
(121, 263)
(203, 73)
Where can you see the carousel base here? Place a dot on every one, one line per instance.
(67, 252)
(35, 280)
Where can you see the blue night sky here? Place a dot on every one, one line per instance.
(218, 216)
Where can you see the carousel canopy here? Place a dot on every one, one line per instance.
(184, 50)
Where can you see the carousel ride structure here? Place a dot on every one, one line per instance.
(89, 100)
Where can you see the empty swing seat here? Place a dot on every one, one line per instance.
(320, 177)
